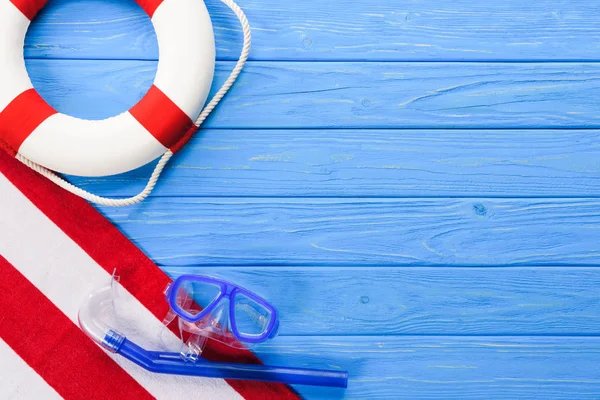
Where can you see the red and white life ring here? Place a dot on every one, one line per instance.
(33, 129)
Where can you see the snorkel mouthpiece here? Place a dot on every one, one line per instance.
(113, 341)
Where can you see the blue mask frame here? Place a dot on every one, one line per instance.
(229, 291)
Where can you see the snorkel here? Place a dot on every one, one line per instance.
(174, 363)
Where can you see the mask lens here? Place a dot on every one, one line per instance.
(252, 318)
(194, 296)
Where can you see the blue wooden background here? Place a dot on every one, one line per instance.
(415, 183)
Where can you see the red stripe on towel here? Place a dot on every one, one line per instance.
(103, 242)
(55, 348)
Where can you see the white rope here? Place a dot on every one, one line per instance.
(167, 156)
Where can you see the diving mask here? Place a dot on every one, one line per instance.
(206, 307)
(105, 309)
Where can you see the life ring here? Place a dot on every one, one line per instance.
(33, 129)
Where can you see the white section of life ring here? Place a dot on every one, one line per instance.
(14, 79)
(119, 144)
(185, 58)
(153, 179)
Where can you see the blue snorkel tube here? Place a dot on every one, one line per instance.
(174, 363)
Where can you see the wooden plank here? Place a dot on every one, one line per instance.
(389, 163)
(316, 30)
(436, 232)
(391, 367)
(91, 89)
(352, 95)
(328, 301)
(92, 29)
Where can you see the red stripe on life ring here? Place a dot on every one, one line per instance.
(29, 8)
(186, 138)
(149, 6)
(22, 116)
(161, 117)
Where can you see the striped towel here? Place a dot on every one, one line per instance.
(54, 250)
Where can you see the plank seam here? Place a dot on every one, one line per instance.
(350, 60)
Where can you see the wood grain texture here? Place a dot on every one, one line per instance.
(491, 368)
(415, 216)
(372, 163)
(440, 232)
(338, 30)
(351, 95)
(92, 29)
(91, 89)
(354, 301)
